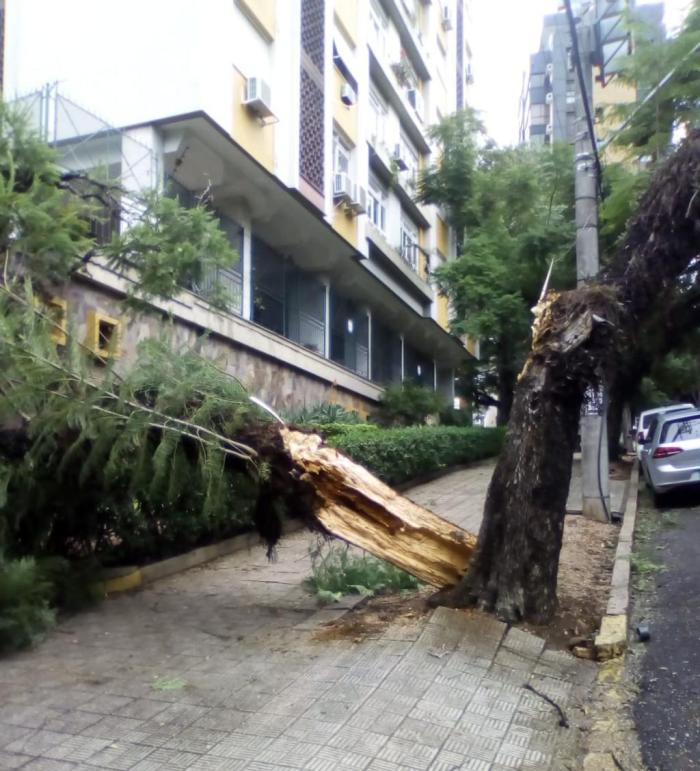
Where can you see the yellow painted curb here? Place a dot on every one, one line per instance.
(612, 639)
(124, 583)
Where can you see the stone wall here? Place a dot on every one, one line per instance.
(280, 385)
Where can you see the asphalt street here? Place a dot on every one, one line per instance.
(667, 711)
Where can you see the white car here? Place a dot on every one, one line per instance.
(645, 418)
(671, 454)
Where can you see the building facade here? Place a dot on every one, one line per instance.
(306, 123)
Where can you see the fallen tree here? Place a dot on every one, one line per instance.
(576, 339)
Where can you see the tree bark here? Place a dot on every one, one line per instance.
(576, 340)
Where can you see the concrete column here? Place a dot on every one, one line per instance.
(247, 274)
(369, 343)
(327, 318)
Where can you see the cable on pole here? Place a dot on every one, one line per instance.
(582, 87)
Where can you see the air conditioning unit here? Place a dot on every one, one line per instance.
(549, 98)
(258, 98)
(398, 158)
(358, 204)
(415, 99)
(343, 187)
(347, 95)
(446, 18)
(549, 129)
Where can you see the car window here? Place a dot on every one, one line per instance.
(652, 428)
(681, 429)
(646, 419)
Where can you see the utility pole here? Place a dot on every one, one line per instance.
(594, 441)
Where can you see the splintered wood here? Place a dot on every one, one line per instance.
(359, 508)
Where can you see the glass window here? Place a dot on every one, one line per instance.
(268, 282)
(680, 430)
(408, 247)
(349, 335)
(377, 26)
(341, 156)
(376, 210)
(410, 156)
(377, 118)
(386, 354)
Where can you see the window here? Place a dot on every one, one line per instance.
(408, 248)
(103, 335)
(376, 209)
(680, 430)
(377, 27)
(341, 156)
(410, 156)
(377, 118)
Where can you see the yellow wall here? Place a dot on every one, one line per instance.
(345, 117)
(262, 13)
(345, 225)
(443, 237)
(346, 17)
(443, 311)
(470, 344)
(615, 92)
(248, 131)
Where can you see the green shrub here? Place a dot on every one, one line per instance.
(408, 404)
(336, 570)
(323, 413)
(25, 612)
(453, 417)
(331, 430)
(397, 455)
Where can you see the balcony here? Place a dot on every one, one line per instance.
(410, 40)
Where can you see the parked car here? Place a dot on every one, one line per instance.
(671, 451)
(645, 418)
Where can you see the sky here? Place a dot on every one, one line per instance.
(501, 57)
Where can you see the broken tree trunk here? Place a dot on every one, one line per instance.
(353, 504)
(576, 339)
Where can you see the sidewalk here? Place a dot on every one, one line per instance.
(216, 669)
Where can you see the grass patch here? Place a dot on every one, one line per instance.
(644, 564)
(337, 570)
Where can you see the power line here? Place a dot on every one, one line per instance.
(582, 88)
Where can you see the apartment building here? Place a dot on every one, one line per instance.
(551, 90)
(306, 121)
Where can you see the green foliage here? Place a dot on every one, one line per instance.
(25, 612)
(450, 182)
(398, 455)
(322, 413)
(451, 417)
(623, 186)
(130, 467)
(676, 104)
(329, 430)
(172, 247)
(337, 570)
(37, 218)
(520, 219)
(408, 404)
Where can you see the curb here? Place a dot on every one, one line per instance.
(612, 639)
(124, 579)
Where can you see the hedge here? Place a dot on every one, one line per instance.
(398, 455)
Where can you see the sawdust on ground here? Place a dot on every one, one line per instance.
(585, 569)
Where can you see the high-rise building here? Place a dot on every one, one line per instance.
(306, 123)
(550, 92)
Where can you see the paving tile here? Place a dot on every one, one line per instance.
(358, 739)
(48, 764)
(213, 763)
(76, 748)
(11, 760)
(289, 752)
(315, 731)
(331, 758)
(120, 755)
(241, 746)
(423, 732)
(36, 742)
(165, 760)
(12, 733)
(408, 753)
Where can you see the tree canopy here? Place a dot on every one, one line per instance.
(516, 211)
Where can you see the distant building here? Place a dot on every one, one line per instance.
(550, 91)
(307, 123)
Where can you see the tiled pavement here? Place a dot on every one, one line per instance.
(216, 670)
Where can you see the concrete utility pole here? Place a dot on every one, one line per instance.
(594, 440)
